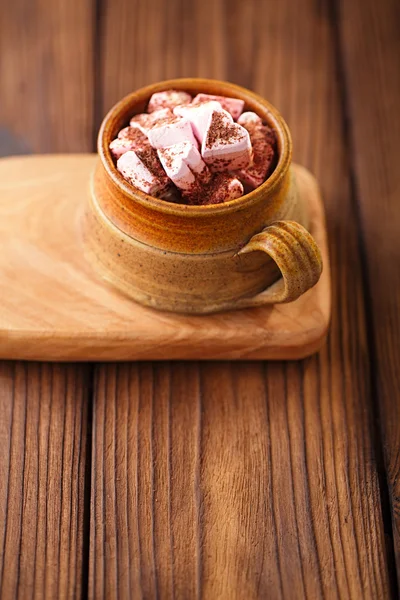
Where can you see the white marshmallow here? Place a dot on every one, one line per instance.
(129, 138)
(134, 134)
(198, 115)
(263, 142)
(119, 146)
(226, 145)
(183, 165)
(171, 132)
(233, 105)
(250, 119)
(233, 189)
(137, 173)
(145, 122)
(228, 188)
(168, 99)
(222, 188)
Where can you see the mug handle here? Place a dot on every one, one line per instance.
(297, 256)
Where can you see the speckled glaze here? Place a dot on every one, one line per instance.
(200, 259)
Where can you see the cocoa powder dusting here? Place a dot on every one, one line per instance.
(214, 193)
(149, 158)
(168, 159)
(165, 121)
(266, 139)
(220, 131)
(264, 144)
(169, 154)
(217, 186)
(133, 134)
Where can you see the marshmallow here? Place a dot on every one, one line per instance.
(119, 147)
(145, 122)
(129, 138)
(234, 106)
(133, 134)
(161, 148)
(171, 131)
(263, 143)
(142, 169)
(226, 145)
(250, 120)
(168, 99)
(183, 165)
(198, 115)
(222, 188)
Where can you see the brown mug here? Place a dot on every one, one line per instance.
(200, 259)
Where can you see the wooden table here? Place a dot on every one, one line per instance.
(216, 480)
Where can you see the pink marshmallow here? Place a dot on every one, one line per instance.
(250, 120)
(129, 138)
(263, 143)
(198, 115)
(222, 188)
(226, 145)
(145, 122)
(142, 169)
(234, 106)
(168, 99)
(133, 134)
(170, 132)
(184, 166)
(119, 147)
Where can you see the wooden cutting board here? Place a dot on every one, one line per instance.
(53, 306)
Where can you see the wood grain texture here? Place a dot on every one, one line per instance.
(73, 315)
(145, 42)
(370, 48)
(43, 432)
(227, 481)
(253, 480)
(46, 82)
(46, 54)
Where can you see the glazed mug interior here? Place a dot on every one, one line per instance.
(239, 256)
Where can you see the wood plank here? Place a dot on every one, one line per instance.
(146, 42)
(46, 75)
(253, 480)
(74, 315)
(227, 481)
(46, 78)
(43, 434)
(370, 46)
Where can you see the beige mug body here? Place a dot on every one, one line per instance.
(200, 259)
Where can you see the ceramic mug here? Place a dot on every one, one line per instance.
(200, 259)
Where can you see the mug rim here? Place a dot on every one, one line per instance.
(141, 95)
